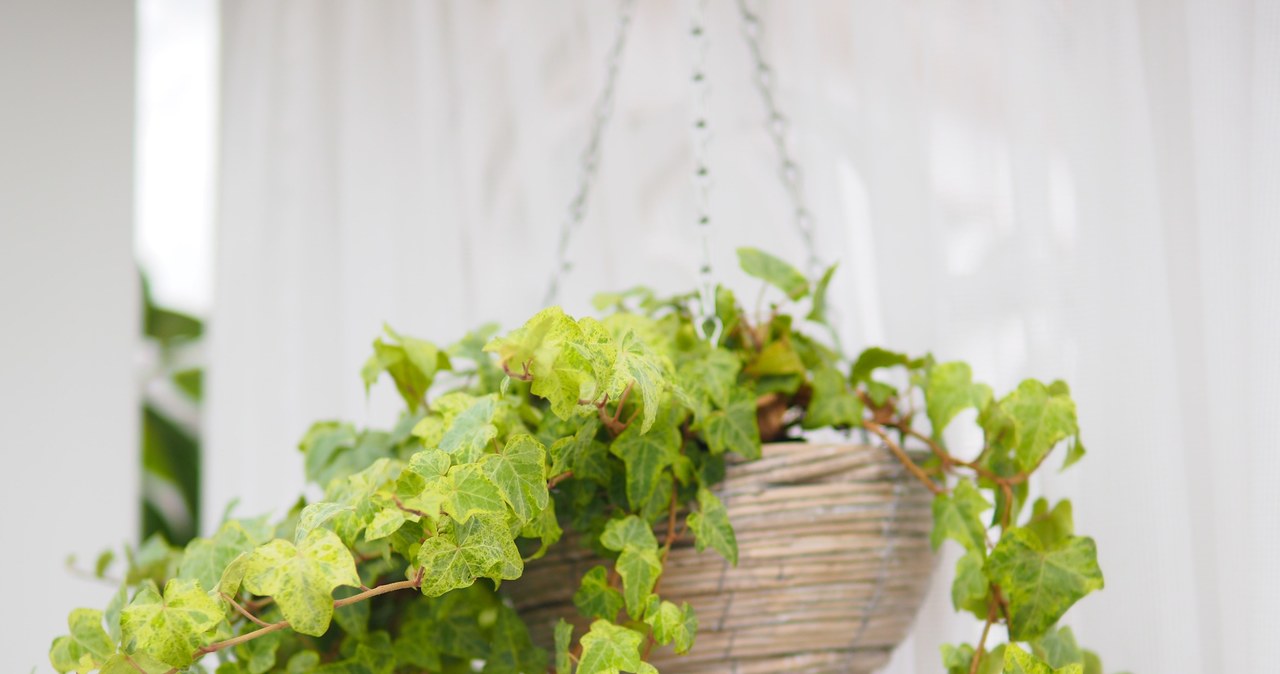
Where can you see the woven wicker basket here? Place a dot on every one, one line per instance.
(834, 561)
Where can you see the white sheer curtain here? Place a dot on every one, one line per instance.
(1084, 190)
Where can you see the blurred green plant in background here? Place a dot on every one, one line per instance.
(172, 379)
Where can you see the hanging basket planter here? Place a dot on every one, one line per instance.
(835, 594)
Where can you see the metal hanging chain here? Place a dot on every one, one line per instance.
(590, 161)
(706, 321)
(777, 124)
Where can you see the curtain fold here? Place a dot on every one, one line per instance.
(1077, 190)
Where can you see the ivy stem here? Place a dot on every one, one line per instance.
(268, 628)
(244, 612)
(982, 643)
(902, 456)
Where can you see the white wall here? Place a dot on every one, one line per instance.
(68, 309)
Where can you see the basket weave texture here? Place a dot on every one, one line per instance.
(834, 561)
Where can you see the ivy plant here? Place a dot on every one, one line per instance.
(609, 427)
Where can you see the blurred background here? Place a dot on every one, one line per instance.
(209, 209)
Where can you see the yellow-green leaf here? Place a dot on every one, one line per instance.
(773, 271)
(302, 578)
(171, 627)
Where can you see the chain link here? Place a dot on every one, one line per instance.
(590, 161)
(777, 124)
(706, 321)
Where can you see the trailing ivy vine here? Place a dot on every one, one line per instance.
(609, 427)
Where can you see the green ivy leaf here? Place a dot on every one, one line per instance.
(86, 628)
(958, 659)
(595, 598)
(171, 627)
(66, 655)
(1018, 661)
(773, 271)
(206, 558)
(258, 656)
(564, 637)
(950, 389)
(482, 547)
(712, 376)
(511, 651)
(519, 473)
(832, 403)
(386, 522)
(1031, 420)
(638, 564)
(818, 311)
(959, 516)
(610, 649)
(734, 428)
(647, 456)
(1058, 648)
(315, 515)
(628, 532)
(970, 591)
(873, 359)
(776, 359)
(1041, 582)
(412, 363)
(711, 527)
(582, 454)
(1051, 526)
(471, 431)
(301, 578)
(672, 623)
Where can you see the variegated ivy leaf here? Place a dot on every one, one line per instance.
(1041, 582)
(536, 344)
(595, 598)
(171, 627)
(469, 492)
(206, 558)
(1018, 661)
(466, 440)
(773, 271)
(482, 547)
(711, 527)
(302, 578)
(610, 649)
(646, 372)
(519, 473)
(386, 522)
(959, 516)
(949, 388)
(315, 515)
(671, 623)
